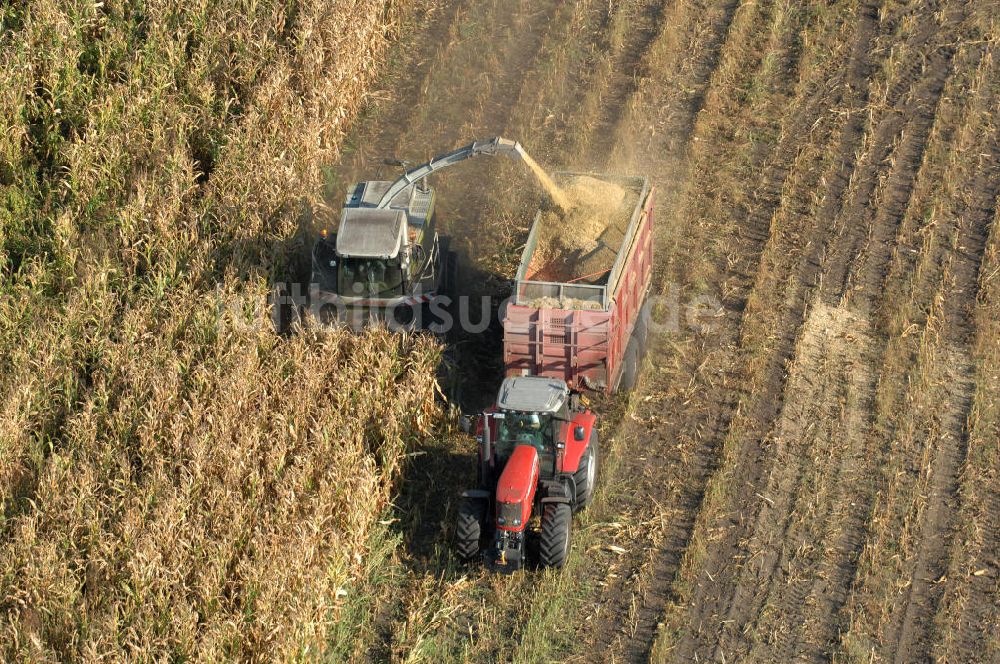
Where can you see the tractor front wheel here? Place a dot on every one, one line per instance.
(469, 527)
(553, 545)
(586, 475)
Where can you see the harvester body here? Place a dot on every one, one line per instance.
(381, 259)
(386, 260)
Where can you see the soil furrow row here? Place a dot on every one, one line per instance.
(644, 25)
(824, 570)
(915, 632)
(857, 494)
(714, 598)
(901, 134)
(783, 54)
(832, 387)
(970, 613)
(981, 609)
(619, 635)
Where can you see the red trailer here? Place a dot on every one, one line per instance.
(589, 334)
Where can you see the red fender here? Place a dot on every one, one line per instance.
(575, 448)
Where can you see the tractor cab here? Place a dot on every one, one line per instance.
(533, 411)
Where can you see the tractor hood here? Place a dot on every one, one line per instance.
(371, 233)
(519, 476)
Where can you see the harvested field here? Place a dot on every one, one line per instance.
(808, 472)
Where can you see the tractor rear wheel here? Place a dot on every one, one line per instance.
(469, 527)
(586, 475)
(553, 545)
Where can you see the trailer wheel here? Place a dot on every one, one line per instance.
(630, 366)
(586, 475)
(469, 527)
(553, 545)
(642, 332)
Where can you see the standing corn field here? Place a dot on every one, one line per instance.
(176, 483)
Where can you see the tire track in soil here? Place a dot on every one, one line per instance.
(756, 233)
(911, 628)
(764, 559)
(909, 414)
(902, 133)
(631, 67)
(833, 585)
(820, 580)
(820, 583)
(970, 623)
(974, 619)
(715, 594)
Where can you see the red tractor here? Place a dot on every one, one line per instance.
(538, 459)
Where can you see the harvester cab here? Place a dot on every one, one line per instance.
(538, 457)
(386, 259)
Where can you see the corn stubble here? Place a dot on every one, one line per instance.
(176, 483)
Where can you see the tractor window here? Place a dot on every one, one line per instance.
(370, 277)
(524, 429)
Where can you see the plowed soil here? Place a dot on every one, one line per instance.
(807, 472)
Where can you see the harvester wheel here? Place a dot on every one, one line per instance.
(586, 474)
(553, 545)
(469, 527)
(448, 264)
